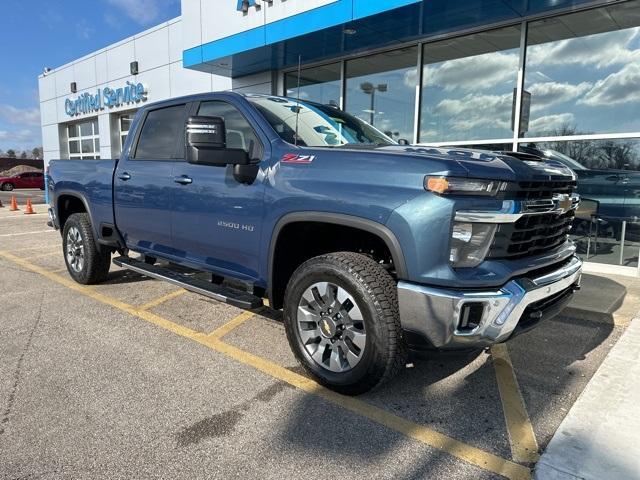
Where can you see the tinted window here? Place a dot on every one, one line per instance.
(239, 132)
(161, 133)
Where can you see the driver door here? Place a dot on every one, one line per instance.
(216, 221)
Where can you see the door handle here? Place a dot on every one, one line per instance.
(183, 180)
(124, 176)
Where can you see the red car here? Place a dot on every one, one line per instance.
(22, 180)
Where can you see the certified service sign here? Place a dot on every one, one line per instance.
(107, 97)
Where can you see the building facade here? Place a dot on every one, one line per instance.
(430, 72)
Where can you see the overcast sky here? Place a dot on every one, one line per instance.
(49, 33)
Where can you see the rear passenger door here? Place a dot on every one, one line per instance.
(143, 180)
(217, 220)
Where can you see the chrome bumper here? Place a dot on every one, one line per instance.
(435, 313)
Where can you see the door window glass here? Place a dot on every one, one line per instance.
(381, 90)
(240, 134)
(162, 134)
(84, 140)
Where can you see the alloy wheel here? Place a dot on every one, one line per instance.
(75, 249)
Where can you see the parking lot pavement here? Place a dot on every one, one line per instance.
(137, 378)
(35, 194)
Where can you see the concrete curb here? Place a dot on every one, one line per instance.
(599, 439)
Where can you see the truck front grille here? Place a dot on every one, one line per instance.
(536, 233)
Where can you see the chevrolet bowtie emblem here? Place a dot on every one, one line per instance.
(564, 202)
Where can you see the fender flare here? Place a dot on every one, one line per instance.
(370, 226)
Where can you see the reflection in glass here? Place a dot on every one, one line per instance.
(317, 84)
(608, 174)
(381, 90)
(86, 129)
(583, 72)
(468, 87)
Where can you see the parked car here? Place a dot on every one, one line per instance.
(616, 191)
(22, 180)
(368, 246)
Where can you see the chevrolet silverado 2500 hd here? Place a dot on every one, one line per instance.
(369, 247)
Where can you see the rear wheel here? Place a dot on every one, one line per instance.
(7, 187)
(85, 263)
(342, 322)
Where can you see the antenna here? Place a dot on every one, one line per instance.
(298, 99)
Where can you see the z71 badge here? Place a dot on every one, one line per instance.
(301, 159)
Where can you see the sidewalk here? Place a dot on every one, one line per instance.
(600, 436)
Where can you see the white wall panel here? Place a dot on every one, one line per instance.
(221, 19)
(47, 87)
(50, 139)
(175, 42)
(64, 77)
(48, 112)
(192, 23)
(84, 73)
(119, 60)
(152, 49)
(158, 82)
(187, 82)
(102, 75)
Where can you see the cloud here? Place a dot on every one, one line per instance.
(550, 93)
(473, 111)
(601, 50)
(143, 12)
(620, 87)
(22, 137)
(473, 73)
(20, 116)
(549, 123)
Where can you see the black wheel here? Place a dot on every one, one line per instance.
(342, 322)
(7, 187)
(85, 263)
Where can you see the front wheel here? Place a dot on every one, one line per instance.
(342, 322)
(7, 187)
(85, 263)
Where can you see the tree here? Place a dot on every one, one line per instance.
(37, 153)
(23, 155)
(11, 153)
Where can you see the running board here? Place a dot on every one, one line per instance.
(231, 296)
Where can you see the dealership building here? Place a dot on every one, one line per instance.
(432, 72)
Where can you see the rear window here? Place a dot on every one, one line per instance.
(162, 134)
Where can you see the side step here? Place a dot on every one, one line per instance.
(231, 296)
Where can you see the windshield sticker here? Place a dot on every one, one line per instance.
(293, 158)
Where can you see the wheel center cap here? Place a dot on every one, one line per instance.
(328, 327)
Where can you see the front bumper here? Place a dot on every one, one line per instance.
(439, 315)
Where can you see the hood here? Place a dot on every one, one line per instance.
(486, 164)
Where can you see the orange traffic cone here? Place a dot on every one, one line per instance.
(29, 209)
(14, 205)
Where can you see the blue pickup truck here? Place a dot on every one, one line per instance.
(371, 248)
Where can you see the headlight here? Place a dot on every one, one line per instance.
(470, 243)
(463, 186)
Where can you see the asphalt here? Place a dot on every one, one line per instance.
(121, 381)
(35, 194)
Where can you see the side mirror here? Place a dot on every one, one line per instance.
(207, 143)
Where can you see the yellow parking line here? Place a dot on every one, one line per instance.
(231, 325)
(58, 270)
(162, 299)
(468, 453)
(524, 446)
(44, 255)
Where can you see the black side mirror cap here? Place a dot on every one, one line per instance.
(206, 139)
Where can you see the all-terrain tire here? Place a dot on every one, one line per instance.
(95, 264)
(375, 294)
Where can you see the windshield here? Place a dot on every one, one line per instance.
(317, 125)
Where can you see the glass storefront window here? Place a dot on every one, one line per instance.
(381, 90)
(583, 72)
(608, 174)
(124, 125)
(84, 141)
(318, 84)
(468, 86)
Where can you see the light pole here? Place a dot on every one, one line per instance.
(370, 89)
